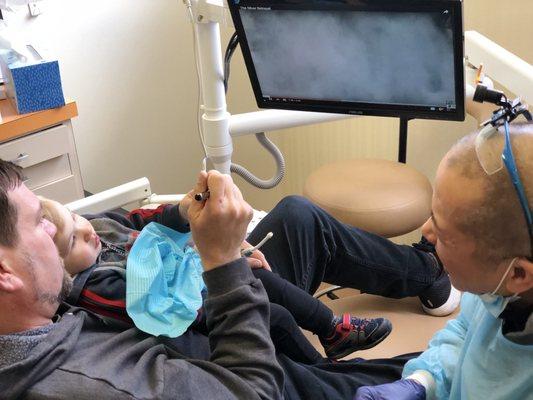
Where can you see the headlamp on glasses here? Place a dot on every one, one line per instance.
(495, 152)
(508, 111)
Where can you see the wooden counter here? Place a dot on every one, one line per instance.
(13, 125)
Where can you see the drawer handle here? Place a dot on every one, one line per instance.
(20, 158)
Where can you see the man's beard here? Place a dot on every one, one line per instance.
(66, 287)
(56, 299)
(44, 296)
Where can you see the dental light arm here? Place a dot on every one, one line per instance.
(501, 65)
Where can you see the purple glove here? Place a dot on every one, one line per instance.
(405, 389)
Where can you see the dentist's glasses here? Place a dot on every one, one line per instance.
(493, 158)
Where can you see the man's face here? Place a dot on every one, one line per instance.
(454, 196)
(35, 258)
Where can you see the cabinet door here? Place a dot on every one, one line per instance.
(47, 171)
(63, 190)
(38, 147)
(49, 162)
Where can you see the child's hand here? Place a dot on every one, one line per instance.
(257, 258)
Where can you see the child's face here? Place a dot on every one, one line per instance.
(77, 242)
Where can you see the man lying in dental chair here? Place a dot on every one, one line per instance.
(51, 349)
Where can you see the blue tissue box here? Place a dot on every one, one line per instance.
(32, 83)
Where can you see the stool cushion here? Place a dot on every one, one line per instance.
(384, 197)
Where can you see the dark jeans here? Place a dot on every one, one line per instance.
(289, 339)
(332, 381)
(310, 246)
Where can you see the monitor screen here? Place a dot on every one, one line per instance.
(399, 58)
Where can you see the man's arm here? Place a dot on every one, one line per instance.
(237, 305)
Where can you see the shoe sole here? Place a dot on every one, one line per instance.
(368, 346)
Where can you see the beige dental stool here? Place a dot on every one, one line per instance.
(390, 199)
(380, 196)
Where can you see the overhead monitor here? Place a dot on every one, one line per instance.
(401, 58)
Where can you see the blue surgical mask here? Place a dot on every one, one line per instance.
(496, 303)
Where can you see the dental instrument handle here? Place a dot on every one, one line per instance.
(203, 195)
(248, 252)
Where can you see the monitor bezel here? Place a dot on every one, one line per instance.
(360, 108)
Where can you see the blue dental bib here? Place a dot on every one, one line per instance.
(163, 281)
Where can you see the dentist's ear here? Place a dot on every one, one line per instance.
(9, 281)
(521, 276)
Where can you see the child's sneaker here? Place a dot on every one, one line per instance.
(352, 334)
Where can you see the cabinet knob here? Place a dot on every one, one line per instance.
(20, 158)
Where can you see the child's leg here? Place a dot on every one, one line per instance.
(310, 313)
(284, 331)
(340, 336)
(288, 337)
(200, 323)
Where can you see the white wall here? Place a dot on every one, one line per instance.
(129, 66)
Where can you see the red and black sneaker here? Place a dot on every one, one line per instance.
(352, 334)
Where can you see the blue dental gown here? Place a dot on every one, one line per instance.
(471, 359)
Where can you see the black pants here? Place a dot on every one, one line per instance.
(305, 312)
(310, 246)
(332, 381)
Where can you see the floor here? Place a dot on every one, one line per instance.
(412, 328)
